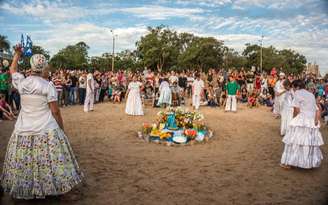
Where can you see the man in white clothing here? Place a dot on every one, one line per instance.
(197, 90)
(90, 94)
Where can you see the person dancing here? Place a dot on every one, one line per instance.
(39, 161)
(303, 138)
(133, 102)
(90, 92)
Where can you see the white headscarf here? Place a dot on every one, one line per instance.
(38, 62)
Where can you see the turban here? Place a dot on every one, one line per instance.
(38, 62)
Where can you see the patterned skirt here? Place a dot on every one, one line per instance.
(40, 165)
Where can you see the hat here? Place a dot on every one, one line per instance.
(38, 62)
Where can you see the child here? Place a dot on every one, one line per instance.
(244, 95)
(252, 99)
(117, 93)
(211, 96)
(5, 109)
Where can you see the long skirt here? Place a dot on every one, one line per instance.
(302, 144)
(36, 166)
(165, 97)
(134, 104)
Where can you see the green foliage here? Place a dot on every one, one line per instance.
(202, 53)
(71, 57)
(165, 49)
(159, 48)
(4, 43)
(289, 60)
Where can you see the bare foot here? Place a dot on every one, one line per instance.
(287, 167)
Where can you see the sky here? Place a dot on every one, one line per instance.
(301, 25)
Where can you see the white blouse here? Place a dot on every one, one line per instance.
(305, 101)
(35, 117)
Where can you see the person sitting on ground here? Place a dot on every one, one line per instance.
(244, 95)
(211, 96)
(5, 109)
(117, 92)
(264, 97)
(252, 99)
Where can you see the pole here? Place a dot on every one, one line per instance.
(113, 53)
(261, 62)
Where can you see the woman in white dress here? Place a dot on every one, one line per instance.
(133, 102)
(303, 138)
(165, 97)
(287, 108)
(39, 160)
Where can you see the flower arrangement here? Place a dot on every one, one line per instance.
(187, 124)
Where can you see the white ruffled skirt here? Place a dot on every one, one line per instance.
(286, 117)
(302, 143)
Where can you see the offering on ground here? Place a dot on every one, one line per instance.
(176, 126)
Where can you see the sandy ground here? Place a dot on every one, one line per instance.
(240, 165)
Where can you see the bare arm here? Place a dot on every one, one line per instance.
(13, 66)
(56, 114)
(89, 83)
(296, 111)
(317, 116)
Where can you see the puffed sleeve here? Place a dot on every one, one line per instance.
(52, 93)
(297, 100)
(16, 80)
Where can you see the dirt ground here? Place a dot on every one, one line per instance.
(240, 165)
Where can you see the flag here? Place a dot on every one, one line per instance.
(28, 47)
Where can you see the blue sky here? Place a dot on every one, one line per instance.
(301, 25)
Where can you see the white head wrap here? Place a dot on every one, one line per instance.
(38, 62)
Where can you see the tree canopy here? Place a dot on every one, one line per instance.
(165, 49)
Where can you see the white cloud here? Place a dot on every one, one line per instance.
(97, 37)
(272, 4)
(44, 10)
(161, 12)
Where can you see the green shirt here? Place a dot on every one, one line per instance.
(4, 83)
(232, 88)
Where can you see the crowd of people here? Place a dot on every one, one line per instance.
(299, 101)
(216, 88)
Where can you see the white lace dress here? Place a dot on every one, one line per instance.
(133, 103)
(303, 138)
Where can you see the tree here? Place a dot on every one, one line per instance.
(159, 48)
(290, 61)
(72, 57)
(203, 53)
(4, 43)
(232, 58)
